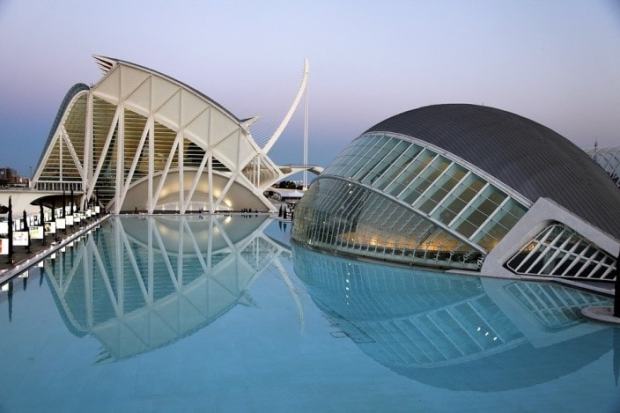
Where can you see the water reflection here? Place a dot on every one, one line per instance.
(454, 331)
(141, 283)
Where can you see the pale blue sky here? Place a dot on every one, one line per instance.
(557, 62)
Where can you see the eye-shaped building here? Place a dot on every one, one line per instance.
(467, 187)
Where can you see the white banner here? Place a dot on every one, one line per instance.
(4, 246)
(36, 232)
(50, 227)
(4, 227)
(60, 223)
(20, 238)
(69, 220)
(88, 213)
(97, 209)
(77, 217)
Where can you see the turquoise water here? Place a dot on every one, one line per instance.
(223, 314)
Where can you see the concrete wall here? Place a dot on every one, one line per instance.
(22, 200)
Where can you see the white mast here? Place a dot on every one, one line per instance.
(291, 111)
(305, 183)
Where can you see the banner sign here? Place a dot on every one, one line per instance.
(50, 227)
(69, 220)
(4, 246)
(60, 223)
(88, 213)
(20, 238)
(77, 217)
(4, 227)
(36, 232)
(97, 209)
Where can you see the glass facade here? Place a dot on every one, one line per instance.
(432, 184)
(559, 251)
(351, 218)
(428, 188)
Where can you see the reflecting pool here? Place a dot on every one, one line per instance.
(222, 313)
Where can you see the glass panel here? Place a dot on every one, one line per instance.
(349, 217)
(363, 155)
(411, 171)
(425, 179)
(375, 157)
(348, 155)
(441, 188)
(477, 213)
(396, 148)
(397, 167)
(455, 202)
(501, 222)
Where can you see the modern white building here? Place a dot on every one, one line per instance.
(139, 139)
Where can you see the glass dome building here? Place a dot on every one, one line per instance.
(467, 187)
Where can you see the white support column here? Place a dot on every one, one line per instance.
(134, 163)
(71, 149)
(201, 168)
(88, 147)
(120, 160)
(181, 177)
(164, 175)
(258, 172)
(60, 141)
(210, 176)
(150, 204)
(104, 153)
(224, 191)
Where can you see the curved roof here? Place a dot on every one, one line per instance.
(106, 63)
(525, 155)
(71, 93)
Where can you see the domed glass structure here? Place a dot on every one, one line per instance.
(445, 185)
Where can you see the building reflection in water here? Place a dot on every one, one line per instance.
(453, 331)
(138, 284)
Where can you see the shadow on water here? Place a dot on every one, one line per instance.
(457, 332)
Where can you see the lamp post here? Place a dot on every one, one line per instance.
(42, 220)
(10, 219)
(27, 228)
(617, 288)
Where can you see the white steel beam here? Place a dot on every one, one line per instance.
(104, 152)
(201, 168)
(76, 160)
(151, 156)
(134, 163)
(120, 159)
(164, 174)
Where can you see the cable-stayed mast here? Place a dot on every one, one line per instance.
(300, 93)
(305, 182)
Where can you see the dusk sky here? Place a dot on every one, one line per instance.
(556, 62)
